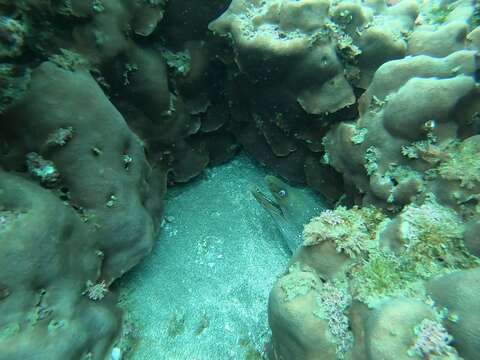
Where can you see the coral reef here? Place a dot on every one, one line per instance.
(410, 153)
(305, 61)
(91, 165)
(374, 104)
(389, 288)
(410, 117)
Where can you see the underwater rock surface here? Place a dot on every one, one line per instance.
(203, 292)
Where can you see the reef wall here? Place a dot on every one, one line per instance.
(375, 104)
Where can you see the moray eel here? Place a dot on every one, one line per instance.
(290, 208)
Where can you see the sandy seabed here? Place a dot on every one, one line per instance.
(203, 292)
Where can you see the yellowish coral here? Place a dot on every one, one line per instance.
(352, 230)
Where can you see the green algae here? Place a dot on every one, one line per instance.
(382, 274)
(438, 13)
(433, 245)
(429, 242)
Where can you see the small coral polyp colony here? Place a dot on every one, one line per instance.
(375, 104)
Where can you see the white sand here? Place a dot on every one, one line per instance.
(202, 294)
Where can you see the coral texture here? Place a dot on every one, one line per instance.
(49, 255)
